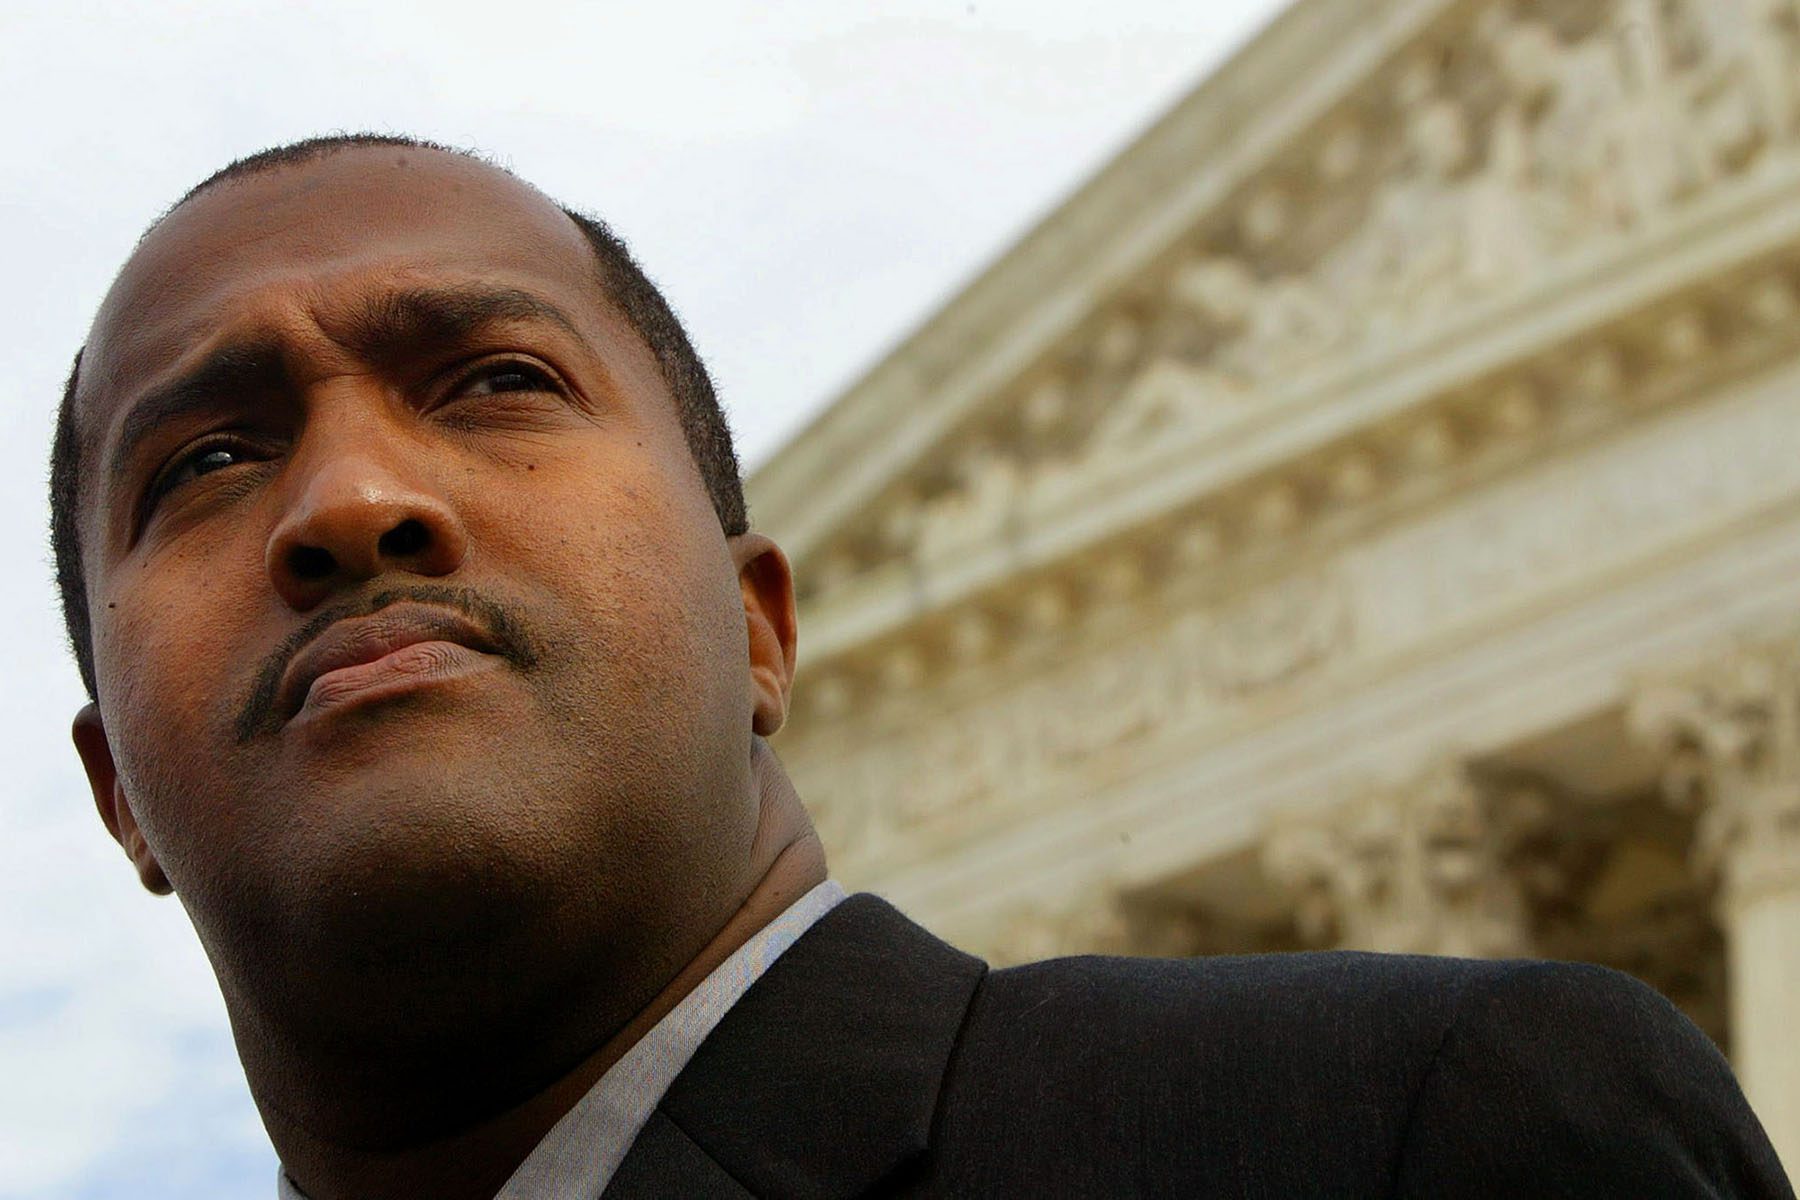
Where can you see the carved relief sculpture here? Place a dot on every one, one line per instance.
(1744, 84)
(1570, 139)
(976, 508)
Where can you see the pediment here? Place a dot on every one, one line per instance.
(1387, 240)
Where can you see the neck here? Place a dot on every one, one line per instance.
(472, 1163)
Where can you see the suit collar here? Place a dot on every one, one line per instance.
(824, 1078)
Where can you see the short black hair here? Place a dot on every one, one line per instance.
(622, 280)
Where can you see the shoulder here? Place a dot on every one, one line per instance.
(1283, 986)
(1529, 1004)
(1199, 1074)
(1221, 1014)
(1567, 1078)
(1364, 1069)
(1253, 1006)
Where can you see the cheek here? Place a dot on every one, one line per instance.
(172, 641)
(642, 574)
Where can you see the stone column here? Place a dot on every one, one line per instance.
(1425, 867)
(1730, 731)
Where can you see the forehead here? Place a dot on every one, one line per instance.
(307, 235)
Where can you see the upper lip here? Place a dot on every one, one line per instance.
(357, 640)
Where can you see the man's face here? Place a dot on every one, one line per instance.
(413, 622)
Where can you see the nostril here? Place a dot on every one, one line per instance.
(311, 562)
(408, 537)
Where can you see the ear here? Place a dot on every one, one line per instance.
(109, 798)
(767, 583)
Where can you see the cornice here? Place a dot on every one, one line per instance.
(1601, 342)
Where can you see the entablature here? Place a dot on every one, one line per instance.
(1588, 212)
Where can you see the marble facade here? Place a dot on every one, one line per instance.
(1366, 514)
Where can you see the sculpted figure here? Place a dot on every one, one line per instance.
(1578, 89)
(1437, 228)
(1651, 141)
(1519, 210)
(976, 508)
(1601, 128)
(1167, 396)
(1748, 75)
(1266, 328)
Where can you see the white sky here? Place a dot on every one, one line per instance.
(807, 179)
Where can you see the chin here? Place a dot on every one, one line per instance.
(435, 860)
(464, 853)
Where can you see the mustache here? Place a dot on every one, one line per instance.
(258, 716)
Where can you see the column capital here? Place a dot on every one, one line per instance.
(1431, 865)
(1729, 733)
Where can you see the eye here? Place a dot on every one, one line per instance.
(202, 460)
(212, 460)
(509, 375)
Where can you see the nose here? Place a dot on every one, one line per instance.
(359, 515)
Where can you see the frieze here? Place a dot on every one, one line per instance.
(1554, 526)
(949, 767)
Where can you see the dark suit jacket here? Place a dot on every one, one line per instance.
(873, 1059)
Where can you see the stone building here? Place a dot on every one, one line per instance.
(1366, 514)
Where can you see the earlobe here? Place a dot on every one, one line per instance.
(767, 584)
(89, 734)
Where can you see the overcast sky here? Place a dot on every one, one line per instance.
(807, 179)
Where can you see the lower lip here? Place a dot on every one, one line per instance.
(408, 669)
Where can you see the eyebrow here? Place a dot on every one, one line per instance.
(401, 320)
(381, 329)
(232, 370)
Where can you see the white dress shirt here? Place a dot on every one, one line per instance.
(578, 1156)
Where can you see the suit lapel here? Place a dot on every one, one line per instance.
(823, 1079)
(665, 1162)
